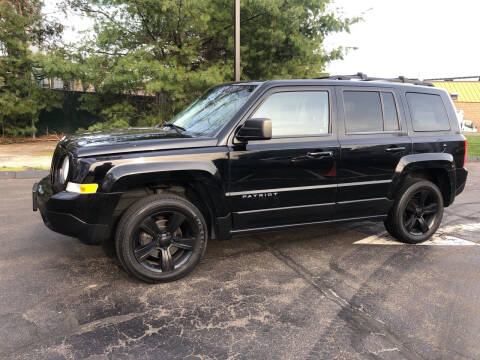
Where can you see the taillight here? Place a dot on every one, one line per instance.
(465, 155)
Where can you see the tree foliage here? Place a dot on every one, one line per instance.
(23, 30)
(170, 50)
(175, 49)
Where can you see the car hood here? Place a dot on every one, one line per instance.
(131, 140)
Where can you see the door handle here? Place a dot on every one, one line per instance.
(395, 149)
(320, 154)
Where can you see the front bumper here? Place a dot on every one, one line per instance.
(85, 216)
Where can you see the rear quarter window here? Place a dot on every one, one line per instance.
(428, 112)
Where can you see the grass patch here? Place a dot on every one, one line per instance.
(50, 154)
(473, 145)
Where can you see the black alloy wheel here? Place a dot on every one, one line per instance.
(420, 212)
(161, 238)
(164, 241)
(416, 213)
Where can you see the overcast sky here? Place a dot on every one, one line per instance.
(414, 38)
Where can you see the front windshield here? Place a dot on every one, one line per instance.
(213, 109)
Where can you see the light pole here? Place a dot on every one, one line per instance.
(237, 41)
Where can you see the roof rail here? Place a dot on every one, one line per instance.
(363, 77)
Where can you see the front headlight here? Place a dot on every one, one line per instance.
(63, 173)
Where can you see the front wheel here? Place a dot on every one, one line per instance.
(417, 213)
(161, 238)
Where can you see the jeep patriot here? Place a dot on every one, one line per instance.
(259, 156)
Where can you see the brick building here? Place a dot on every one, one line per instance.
(468, 97)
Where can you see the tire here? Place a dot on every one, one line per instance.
(388, 223)
(161, 238)
(416, 213)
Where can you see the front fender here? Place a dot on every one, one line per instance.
(416, 162)
(204, 176)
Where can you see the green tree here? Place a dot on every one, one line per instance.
(23, 36)
(175, 49)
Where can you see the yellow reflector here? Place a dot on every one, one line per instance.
(88, 188)
(82, 188)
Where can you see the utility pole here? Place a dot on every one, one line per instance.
(237, 41)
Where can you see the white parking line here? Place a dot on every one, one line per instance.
(442, 237)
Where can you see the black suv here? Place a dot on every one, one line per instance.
(259, 156)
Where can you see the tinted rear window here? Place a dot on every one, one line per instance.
(428, 112)
(363, 111)
(390, 111)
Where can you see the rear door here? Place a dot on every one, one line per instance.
(373, 138)
(290, 179)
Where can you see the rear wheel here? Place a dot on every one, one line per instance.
(417, 213)
(161, 238)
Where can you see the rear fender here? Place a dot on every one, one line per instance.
(418, 162)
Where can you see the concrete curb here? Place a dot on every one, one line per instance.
(25, 174)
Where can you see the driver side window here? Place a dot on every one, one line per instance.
(296, 113)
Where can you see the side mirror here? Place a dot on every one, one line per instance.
(255, 129)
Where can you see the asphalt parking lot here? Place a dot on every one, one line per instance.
(330, 292)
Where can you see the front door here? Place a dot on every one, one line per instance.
(290, 179)
(373, 139)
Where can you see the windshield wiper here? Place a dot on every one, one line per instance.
(175, 127)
